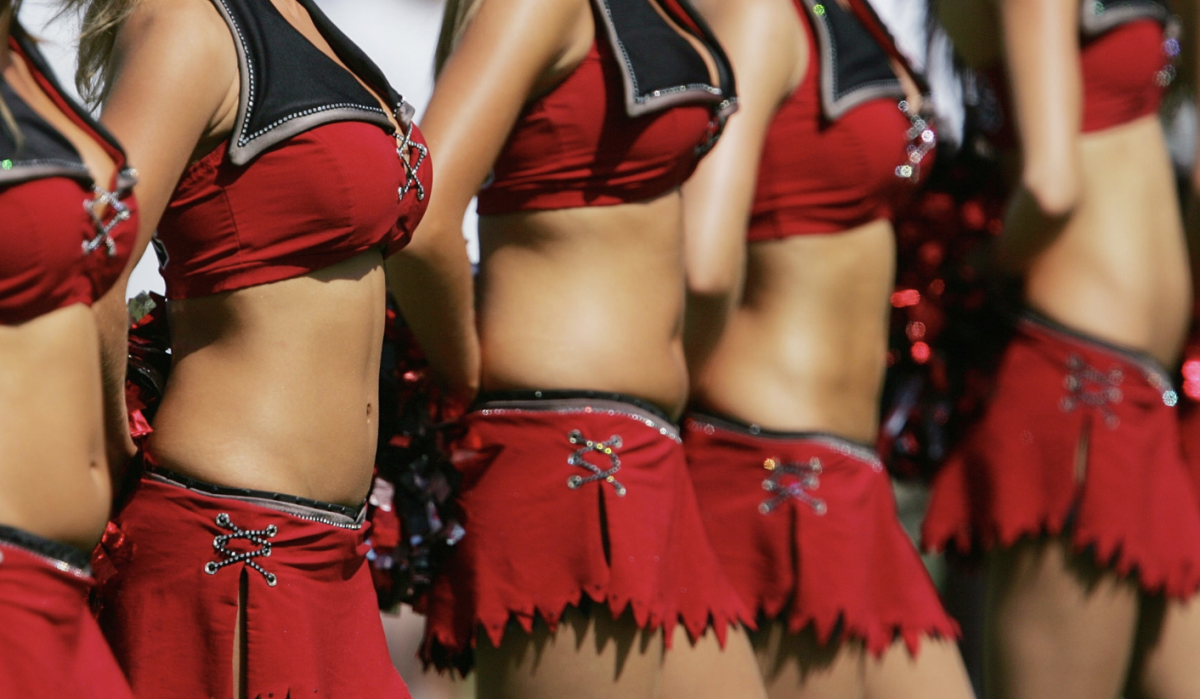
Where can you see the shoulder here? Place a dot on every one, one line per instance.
(763, 38)
(178, 33)
(531, 20)
(522, 41)
(179, 56)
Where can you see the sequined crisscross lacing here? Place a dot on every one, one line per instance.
(258, 537)
(792, 480)
(405, 147)
(606, 448)
(118, 213)
(1089, 387)
(921, 139)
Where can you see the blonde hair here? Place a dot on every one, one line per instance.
(6, 116)
(457, 16)
(102, 21)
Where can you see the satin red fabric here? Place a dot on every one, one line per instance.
(817, 176)
(315, 632)
(1120, 71)
(51, 645)
(535, 544)
(42, 267)
(806, 528)
(1129, 501)
(321, 197)
(576, 147)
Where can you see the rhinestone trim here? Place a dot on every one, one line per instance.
(258, 537)
(607, 448)
(806, 476)
(120, 214)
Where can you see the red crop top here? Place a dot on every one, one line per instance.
(628, 124)
(1122, 78)
(312, 174)
(320, 197)
(53, 251)
(1124, 70)
(575, 147)
(826, 176)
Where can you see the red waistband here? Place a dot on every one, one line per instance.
(1095, 362)
(29, 575)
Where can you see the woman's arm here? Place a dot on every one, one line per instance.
(175, 74)
(768, 49)
(1191, 73)
(507, 53)
(1041, 42)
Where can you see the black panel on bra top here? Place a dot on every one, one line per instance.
(854, 67)
(289, 86)
(41, 151)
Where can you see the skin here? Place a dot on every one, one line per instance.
(776, 337)
(1094, 228)
(586, 298)
(273, 387)
(54, 480)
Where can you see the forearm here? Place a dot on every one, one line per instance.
(432, 284)
(1042, 54)
(1192, 204)
(711, 302)
(112, 321)
(1041, 41)
(1028, 230)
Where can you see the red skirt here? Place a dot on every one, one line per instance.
(1130, 502)
(806, 527)
(1189, 434)
(177, 555)
(50, 645)
(565, 498)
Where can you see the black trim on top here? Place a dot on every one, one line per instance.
(289, 86)
(232, 492)
(59, 552)
(660, 68)
(1150, 366)
(533, 395)
(854, 67)
(1099, 16)
(44, 151)
(732, 424)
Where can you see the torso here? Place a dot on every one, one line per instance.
(591, 296)
(275, 377)
(806, 348)
(1118, 271)
(53, 477)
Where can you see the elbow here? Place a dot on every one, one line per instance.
(1054, 195)
(432, 238)
(461, 383)
(715, 282)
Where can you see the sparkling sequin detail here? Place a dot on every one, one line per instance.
(118, 214)
(921, 140)
(606, 448)
(258, 537)
(1088, 386)
(405, 147)
(790, 480)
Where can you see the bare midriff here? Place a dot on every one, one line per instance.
(54, 480)
(276, 387)
(1119, 271)
(806, 349)
(586, 298)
